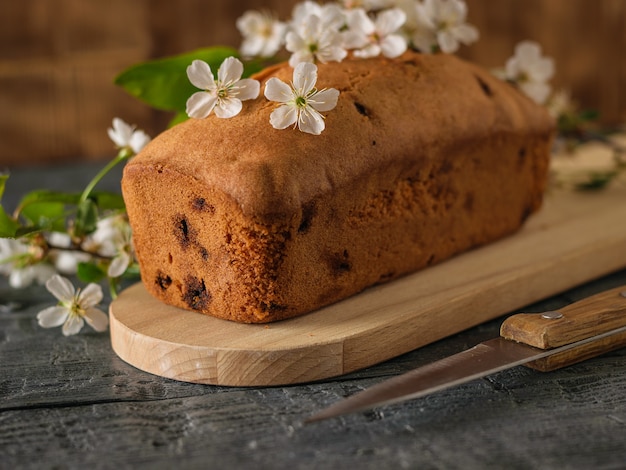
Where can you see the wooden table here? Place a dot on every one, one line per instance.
(72, 403)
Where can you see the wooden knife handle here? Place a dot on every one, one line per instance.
(589, 317)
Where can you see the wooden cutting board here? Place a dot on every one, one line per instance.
(576, 237)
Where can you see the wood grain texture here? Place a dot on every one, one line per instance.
(588, 317)
(553, 252)
(579, 353)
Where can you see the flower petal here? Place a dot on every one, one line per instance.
(465, 33)
(311, 28)
(424, 41)
(73, 325)
(393, 45)
(52, 316)
(200, 75)
(447, 42)
(304, 77)
(118, 265)
(252, 46)
(66, 262)
(294, 42)
(120, 133)
(42, 272)
(452, 11)
(138, 141)
(283, 116)
(389, 21)
(324, 100)
(354, 39)
(359, 22)
(537, 91)
(331, 54)
(277, 90)
(542, 70)
(275, 42)
(527, 52)
(300, 56)
(20, 278)
(228, 107)
(425, 16)
(200, 104)
(311, 121)
(61, 288)
(247, 89)
(97, 319)
(90, 296)
(60, 239)
(230, 71)
(512, 69)
(371, 50)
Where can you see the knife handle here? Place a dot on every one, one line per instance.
(589, 317)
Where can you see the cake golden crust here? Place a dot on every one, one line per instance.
(424, 156)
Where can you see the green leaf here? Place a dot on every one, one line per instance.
(47, 210)
(46, 215)
(42, 207)
(8, 226)
(108, 201)
(89, 272)
(163, 83)
(177, 119)
(3, 181)
(86, 218)
(597, 180)
(45, 195)
(589, 115)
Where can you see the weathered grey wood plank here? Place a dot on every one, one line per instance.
(517, 424)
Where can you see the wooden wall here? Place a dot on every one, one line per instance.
(58, 59)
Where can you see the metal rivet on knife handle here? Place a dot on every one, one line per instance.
(585, 318)
(623, 293)
(552, 315)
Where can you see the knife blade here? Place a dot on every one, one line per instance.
(543, 341)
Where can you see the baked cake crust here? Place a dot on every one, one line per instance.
(424, 156)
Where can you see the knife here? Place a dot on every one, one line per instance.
(543, 341)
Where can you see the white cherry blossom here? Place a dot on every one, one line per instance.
(331, 15)
(440, 25)
(65, 259)
(126, 136)
(74, 307)
(224, 95)
(112, 239)
(300, 103)
(263, 34)
(530, 71)
(316, 37)
(23, 263)
(370, 37)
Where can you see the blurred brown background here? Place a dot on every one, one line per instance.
(58, 59)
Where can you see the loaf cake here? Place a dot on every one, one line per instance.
(425, 156)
